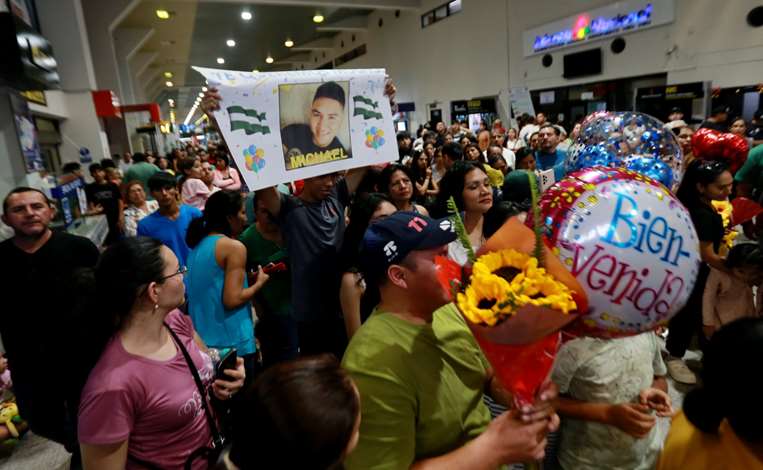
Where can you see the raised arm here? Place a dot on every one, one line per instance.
(233, 254)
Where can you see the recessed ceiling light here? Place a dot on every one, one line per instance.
(201, 94)
(288, 43)
(246, 15)
(167, 74)
(269, 60)
(220, 60)
(230, 43)
(168, 83)
(163, 14)
(203, 88)
(318, 18)
(255, 71)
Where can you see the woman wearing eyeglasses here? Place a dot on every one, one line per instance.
(704, 181)
(141, 406)
(396, 181)
(219, 295)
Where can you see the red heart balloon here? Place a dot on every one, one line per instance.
(709, 144)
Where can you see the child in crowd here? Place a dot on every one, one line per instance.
(609, 390)
(728, 295)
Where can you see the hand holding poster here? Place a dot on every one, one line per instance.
(285, 126)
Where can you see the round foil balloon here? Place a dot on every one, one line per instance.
(709, 144)
(630, 244)
(627, 140)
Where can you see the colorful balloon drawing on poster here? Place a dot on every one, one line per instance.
(374, 138)
(630, 244)
(255, 158)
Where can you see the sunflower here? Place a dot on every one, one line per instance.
(503, 281)
(725, 209)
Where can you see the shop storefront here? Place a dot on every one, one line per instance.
(474, 111)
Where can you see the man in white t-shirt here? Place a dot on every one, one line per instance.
(530, 129)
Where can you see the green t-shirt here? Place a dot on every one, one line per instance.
(752, 170)
(275, 295)
(421, 389)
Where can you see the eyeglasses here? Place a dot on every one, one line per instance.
(181, 270)
(403, 182)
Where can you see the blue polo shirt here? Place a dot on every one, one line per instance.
(170, 232)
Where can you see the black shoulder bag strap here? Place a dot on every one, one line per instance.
(218, 441)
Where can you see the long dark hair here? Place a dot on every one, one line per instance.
(452, 184)
(300, 414)
(729, 390)
(123, 270)
(361, 211)
(702, 172)
(418, 175)
(184, 165)
(219, 207)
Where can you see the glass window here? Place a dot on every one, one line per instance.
(454, 6)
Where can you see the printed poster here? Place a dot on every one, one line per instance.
(286, 126)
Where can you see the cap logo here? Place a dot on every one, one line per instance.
(417, 224)
(446, 225)
(390, 249)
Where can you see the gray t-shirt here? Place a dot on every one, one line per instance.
(314, 234)
(607, 371)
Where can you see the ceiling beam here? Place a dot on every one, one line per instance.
(141, 61)
(302, 58)
(364, 4)
(319, 44)
(354, 24)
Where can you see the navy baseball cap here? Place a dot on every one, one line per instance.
(389, 240)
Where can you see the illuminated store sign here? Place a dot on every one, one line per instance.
(621, 17)
(584, 28)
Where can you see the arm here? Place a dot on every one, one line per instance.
(104, 457)
(233, 254)
(354, 177)
(350, 294)
(235, 181)
(709, 299)
(131, 226)
(506, 440)
(422, 188)
(710, 257)
(660, 383)
(272, 200)
(435, 188)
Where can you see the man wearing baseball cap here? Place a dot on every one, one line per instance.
(420, 373)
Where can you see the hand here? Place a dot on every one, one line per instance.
(210, 101)
(656, 400)
(514, 441)
(260, 278)
(544, 407)
(389, 91)
(708, 331)
(631, 418)
(224, 389)
(429, 172)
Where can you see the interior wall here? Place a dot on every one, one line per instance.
(478, 52)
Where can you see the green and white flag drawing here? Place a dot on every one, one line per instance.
(242, 123)
(366, 107)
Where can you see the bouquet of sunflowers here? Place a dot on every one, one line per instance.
(515, 297)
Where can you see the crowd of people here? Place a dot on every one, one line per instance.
(349, 354)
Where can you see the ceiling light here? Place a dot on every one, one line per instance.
(203, 88)
(230, 43)
(220, 60)
(246, 15)
(168, 83)
(269, 60)
(201, 95)
(288, 43)
(167, 74)
(318, 18)
(255, 71)
(163, 14)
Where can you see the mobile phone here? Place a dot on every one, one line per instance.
(228, 361)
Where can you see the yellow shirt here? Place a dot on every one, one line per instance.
(689, 448)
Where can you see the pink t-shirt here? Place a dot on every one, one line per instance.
(195, 193)
(154, 404)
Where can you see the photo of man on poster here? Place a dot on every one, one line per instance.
(317, 140)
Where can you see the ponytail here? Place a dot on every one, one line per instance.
(219, 207)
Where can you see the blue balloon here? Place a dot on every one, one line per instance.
(592, 155)
(381, 141)
(373, 130)
(652, 168)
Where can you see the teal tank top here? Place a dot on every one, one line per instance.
(217, 326)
